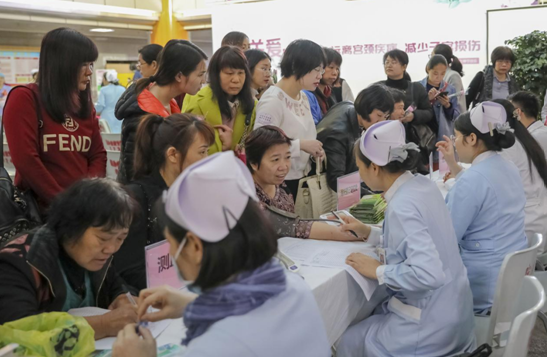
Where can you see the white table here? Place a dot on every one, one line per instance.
(340, 299)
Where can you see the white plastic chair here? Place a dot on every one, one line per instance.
(112, 142)
(531, 300)
(541, 276)
(494, 329)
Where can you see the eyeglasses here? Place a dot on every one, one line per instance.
(504, 61)
(87, 65)
(516, 113)
(319, 70)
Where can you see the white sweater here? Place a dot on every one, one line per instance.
(294, 118)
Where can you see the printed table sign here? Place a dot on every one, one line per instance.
(348, 190)
(159, 266)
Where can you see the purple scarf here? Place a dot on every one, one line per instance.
(250, 290)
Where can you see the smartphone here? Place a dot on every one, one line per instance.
(409, 110)
(442, 94)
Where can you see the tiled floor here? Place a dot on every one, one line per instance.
(538, 343)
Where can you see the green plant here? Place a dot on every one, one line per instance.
(530, 68)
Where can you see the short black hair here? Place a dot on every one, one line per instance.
(260, 140)
(234, 38)
(375, 96)
(301, 57)
(527, 102)
(393, 167)
(497, 142)
(97, 202)
(399, 55)
(149, 53)
(254, 57)
(249, 245)
(398, 95)
(502, 53)
(332, 56)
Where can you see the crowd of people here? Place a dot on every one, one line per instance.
(212, 153)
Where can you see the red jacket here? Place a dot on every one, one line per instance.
(51, 158)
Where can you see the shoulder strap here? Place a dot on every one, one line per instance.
(38, 115)
(247, 127)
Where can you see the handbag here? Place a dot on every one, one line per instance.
(19, 210)
(314, 195)
(422, 134)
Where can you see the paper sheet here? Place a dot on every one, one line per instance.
(332, 254)
(156, 328)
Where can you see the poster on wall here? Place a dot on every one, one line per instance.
(363, 31)
(17, 65)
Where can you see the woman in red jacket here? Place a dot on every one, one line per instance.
(51, 127)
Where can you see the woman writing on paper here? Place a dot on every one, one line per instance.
(430, 309)
(164, 148)
(269, 160)
(67, 263)
(487, 201)
(247, 304)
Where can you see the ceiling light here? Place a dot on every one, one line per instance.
(101, 30)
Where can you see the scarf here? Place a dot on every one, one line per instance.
(486, 90)
(248, 291)
(324, 99)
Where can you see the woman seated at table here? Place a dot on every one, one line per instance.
(487, 201)
(66, 264)
(164, 148)
(430, 309)
(248, 305)
(269, 160)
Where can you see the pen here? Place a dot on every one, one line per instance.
(342, 222)
(134, 303)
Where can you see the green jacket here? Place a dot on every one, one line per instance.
(204, 105)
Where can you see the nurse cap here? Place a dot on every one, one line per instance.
(385, 142)
(112, 75)
(209, 197)
(488, 116)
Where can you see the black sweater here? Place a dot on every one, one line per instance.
(130, 261)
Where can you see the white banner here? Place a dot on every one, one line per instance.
(362, 31)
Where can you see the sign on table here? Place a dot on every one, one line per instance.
(159, 266)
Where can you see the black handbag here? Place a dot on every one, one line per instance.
(19, 210)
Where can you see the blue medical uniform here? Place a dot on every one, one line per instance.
(429, 312)
(288, 324)
(487, 208)
(108, 97)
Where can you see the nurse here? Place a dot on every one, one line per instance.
(430, 307)
(487, 201)
(223, 246)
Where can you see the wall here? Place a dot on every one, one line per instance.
(363, 30)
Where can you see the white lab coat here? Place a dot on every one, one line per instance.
(487, 208)
(539, 132)
(289, 324)
(430, 309)
(535, 211)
